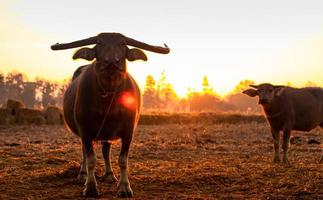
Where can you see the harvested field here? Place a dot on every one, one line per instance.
(198, 159)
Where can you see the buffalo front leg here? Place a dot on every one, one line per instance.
(90, 184)
(285, 145)
(124, 189)
(108, 175)
(276, 138)
(82, 173)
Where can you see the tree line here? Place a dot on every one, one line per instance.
(34, 94)
(158, 95)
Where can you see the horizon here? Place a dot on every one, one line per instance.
(228, 41)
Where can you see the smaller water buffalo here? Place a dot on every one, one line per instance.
(288, 109)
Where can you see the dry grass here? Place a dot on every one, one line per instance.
(167, 161)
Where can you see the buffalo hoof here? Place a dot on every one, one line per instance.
(91, 191)
(82, 176)
(124, 190)
(109, 178)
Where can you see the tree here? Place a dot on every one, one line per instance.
(61, 88)
(149, 96)
(310, 84)
(3, 91)
(28, 95)
(15, 85)
(166, 95)
(47, 90)
(207, 89)
(244, 84)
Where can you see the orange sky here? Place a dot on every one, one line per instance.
(267, 41)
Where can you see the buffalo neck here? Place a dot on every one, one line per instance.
(274, 108)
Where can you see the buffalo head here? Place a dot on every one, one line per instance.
(110, 53)
(266, 92)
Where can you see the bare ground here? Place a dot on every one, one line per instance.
(168, 161)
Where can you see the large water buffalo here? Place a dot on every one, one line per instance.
(288, 109)
(103, 102)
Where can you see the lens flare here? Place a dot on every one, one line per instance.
(127, 100)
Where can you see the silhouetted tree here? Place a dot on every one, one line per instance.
(28, 95)
(47, 90)
(150, 93)
(166, 95)
(310, 84)
(61, 88)
(207, 89)
(206, 100)
(15, 85)
(3, 92)
(243, 85)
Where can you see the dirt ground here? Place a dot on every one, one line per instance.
(168, 161)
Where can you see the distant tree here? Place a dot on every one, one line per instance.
(244, 84)
(166, 95)
(47, 90)
(160, 87)
(169, 93)
(149, 96)
(28, 95)
(207, 89)
(15, 85)
(288, 83)
(61, 88)
(3, 92)
(206, 100)
(310, 84)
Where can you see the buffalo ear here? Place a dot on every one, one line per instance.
(279, 90)
(85, 53)
(250, 92)
(136, 54)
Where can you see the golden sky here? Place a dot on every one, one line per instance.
(228, 40)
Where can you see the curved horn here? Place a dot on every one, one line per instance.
(78, 43)
(148, 47)
(254, 86)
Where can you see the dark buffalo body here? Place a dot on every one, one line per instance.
(103, 102)
(296, 109)
(89, 112)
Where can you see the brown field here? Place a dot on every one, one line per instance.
(179, 158)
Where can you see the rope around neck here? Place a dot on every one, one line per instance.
(106, 114)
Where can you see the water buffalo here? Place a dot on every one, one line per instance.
(288, 109)
(103, 102)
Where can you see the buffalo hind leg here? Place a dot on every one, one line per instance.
(82, 173)
(124, 189)
(285, 145)
(90, 184)
(276, 138)
(106, 151)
